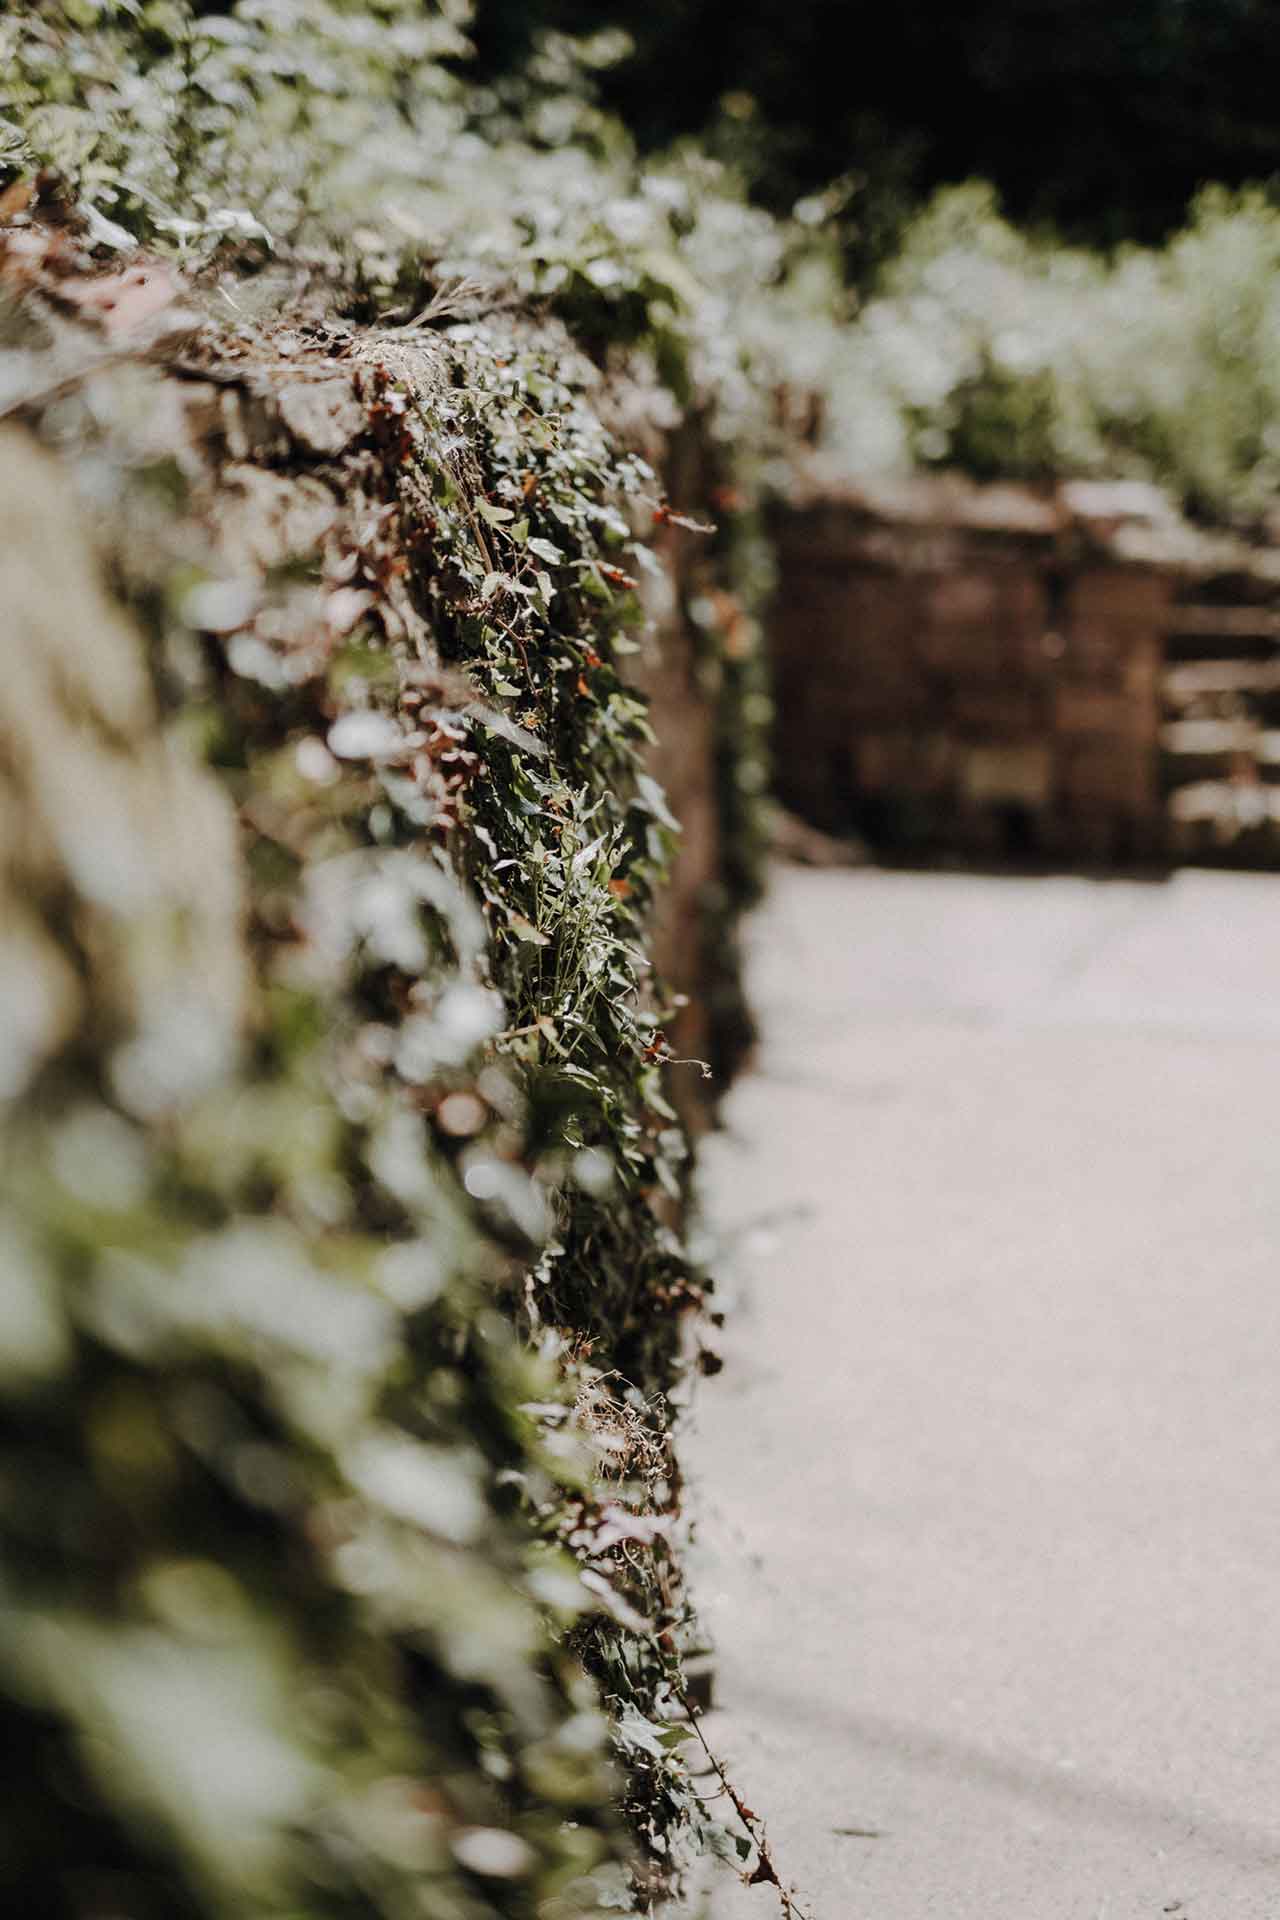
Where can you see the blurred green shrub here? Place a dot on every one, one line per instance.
(989, 349)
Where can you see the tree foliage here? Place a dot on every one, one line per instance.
(1103, 121)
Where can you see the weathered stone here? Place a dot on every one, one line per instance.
(323, 416)
(266, 518)
(955, 665)
(1004, 775)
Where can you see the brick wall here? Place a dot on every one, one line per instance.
(976, 669)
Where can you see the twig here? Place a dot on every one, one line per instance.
(766, 1872)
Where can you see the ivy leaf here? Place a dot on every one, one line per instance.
(525, 930)
(547, 550)
(582, 860)
(635, 1731)
(654, 801)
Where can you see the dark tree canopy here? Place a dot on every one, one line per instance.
(1101, 118)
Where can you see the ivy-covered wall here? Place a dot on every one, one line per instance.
(345, 1291)
(380, 565)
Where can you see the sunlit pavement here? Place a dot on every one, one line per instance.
(990, 1487)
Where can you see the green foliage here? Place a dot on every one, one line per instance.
(989, 350)
(275, 113)
(310, 1557)
(348, 129)
(347, 135)
(339, 1508)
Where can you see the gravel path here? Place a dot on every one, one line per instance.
(990, 1488)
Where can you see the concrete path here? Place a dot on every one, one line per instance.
(990, 1489)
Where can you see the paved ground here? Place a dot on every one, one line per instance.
(991, 1486)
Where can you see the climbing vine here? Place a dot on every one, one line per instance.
(344, 1176)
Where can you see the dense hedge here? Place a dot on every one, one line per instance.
(342, 1180)
(1006, 355)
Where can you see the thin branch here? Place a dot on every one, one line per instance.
(766, 1872)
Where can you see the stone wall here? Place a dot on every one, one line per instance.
(330, 1109)
(976, 669)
